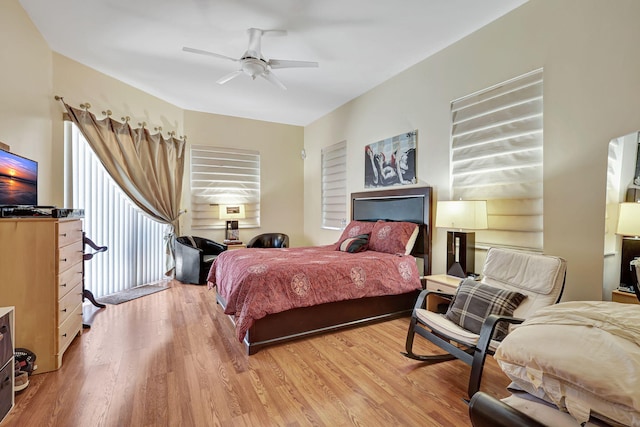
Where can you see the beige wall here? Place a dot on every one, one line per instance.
(279, 145)
(281, 169)
(592, 81)
(25, 88)
(588, 51)
(31, 123)
(79, 84)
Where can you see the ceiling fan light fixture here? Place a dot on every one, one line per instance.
(252, 62)
(253, 67)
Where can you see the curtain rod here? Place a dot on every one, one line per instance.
(126, 119)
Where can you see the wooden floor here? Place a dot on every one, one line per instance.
(171, 359)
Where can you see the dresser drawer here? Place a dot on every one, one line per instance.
(69, 232)
(69, 329)
(68, 303)
(68, 256)
(68, 279)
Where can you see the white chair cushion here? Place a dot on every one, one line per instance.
(438, 322)
(538, 276)
(441, 323)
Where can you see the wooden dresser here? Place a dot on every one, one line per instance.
(41, 264)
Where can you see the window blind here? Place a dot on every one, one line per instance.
(334, 186)
(497, 143)
(136, 254)
(223, 176)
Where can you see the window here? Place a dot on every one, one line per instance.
(224, 176)
(136, 254)
(497, 142)
(334, 186)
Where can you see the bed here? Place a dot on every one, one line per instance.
(584, 368)
(257, 327)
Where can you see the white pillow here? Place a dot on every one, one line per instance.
(412, 241)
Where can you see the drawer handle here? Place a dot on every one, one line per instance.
(63, 235)
(64, 310)
(64, 335)
(64, 285)
(63, 260)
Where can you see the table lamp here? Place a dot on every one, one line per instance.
(461, 214)
(232, 213)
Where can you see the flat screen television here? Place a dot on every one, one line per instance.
(18, 180)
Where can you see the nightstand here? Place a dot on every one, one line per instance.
(625, 297)
(440, 283)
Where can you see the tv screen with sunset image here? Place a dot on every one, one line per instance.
(18, 180)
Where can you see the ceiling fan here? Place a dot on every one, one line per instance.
(252, 63)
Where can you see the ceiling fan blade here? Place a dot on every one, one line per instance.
(273, 79)
(228, 77)
(283, 63)
(275, 32)
(204, 52)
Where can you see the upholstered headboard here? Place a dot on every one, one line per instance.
(410, 204)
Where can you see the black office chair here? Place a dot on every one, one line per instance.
(194, 256)
(269, 240)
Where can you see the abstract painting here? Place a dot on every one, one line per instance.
(391, 161)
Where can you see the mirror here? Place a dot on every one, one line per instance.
(623, 182)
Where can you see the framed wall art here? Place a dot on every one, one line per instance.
(391, 161)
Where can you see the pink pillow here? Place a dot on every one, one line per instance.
(356, 228)
(393, 237)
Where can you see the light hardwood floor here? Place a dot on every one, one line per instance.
(171, 359)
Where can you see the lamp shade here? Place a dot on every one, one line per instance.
(629, 219)
(462, 214)
(232, 212)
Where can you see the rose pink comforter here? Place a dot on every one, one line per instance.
(256, 282)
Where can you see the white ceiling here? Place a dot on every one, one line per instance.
(358, 43)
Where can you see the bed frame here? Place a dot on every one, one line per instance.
(413, 205)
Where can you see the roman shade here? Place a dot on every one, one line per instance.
(496, 155)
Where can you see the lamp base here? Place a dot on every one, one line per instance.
(232, 230)
(456, 270)
(460, 253)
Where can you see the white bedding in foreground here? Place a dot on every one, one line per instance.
(583, 356)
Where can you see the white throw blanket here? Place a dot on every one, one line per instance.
(622, 320)
(583, 356)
